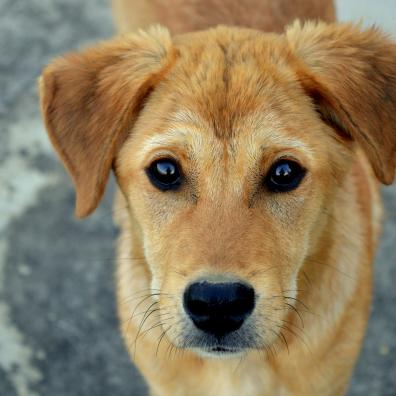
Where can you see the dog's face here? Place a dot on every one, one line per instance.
(229, 171)
(229, 150)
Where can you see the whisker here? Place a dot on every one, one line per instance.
(145, 317)
(292, 307)
(300, 302)
(308, 281)
(160, 340)
(298, 336)
(134, 296)
(154, 326)
(133, 313)
(285, 341)
(144, 297)
(142, 313)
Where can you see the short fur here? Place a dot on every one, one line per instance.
(226, 103)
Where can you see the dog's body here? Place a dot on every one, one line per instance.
(307, 253)
(183, 16)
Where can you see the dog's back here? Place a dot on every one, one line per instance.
(182, 16)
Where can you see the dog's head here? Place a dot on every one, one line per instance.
(229, 146)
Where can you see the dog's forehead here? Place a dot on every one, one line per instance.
(231, 91)
(227, 76)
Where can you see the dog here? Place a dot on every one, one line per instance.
(248, 164)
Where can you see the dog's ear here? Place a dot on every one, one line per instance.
(351, 75)
(90, 100)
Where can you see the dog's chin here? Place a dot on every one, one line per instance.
(219, 352)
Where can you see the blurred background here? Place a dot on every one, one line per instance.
(58, 330)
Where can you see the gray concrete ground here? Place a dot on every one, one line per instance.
(58, 330)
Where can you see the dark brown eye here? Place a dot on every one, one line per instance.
(164, 174)
(284, 175)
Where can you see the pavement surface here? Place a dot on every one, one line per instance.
(58, 330)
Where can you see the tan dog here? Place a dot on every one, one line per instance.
(249, 209)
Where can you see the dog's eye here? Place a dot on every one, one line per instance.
(164, 174)
(284, 175)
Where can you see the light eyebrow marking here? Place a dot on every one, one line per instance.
(278, 140)
(185, 131)
(271, 134)
(168, 138)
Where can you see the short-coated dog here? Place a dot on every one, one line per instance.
(248, 158)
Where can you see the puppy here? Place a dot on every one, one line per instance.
(248, 165)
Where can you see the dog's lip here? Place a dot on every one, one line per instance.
(220, 349)
(218, 352)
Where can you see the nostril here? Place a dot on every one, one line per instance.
(219, 308)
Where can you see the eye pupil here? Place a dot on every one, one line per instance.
(284, 175)
(164, 174)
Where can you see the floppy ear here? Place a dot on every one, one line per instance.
(351, 75)
(90, 100)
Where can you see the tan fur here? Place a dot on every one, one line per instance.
(183, 16)
(226, 103)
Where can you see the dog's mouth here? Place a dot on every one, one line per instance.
(224, 350)
(219, 352)
(221, 349)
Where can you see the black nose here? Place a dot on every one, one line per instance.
(218, 308)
